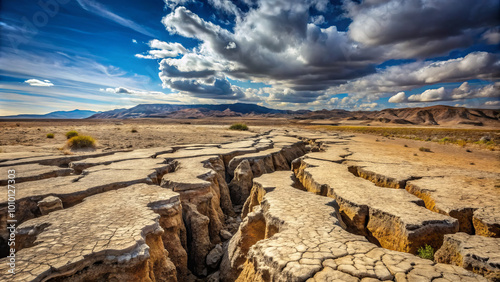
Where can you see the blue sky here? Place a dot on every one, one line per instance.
(314, 54)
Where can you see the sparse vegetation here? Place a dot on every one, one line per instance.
(134, 130)
(482, 138)
(50, 135)
(426, 252)
(70, 134)
(239, 126)
(81, 142)
(424, 149)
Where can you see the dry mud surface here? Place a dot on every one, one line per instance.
(269, 205)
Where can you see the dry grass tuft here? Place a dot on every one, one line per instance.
(70, 134)
(81, 142)
(239, 126)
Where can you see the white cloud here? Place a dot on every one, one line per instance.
(36, 82)
(67, 69)
(162, 50)
(318, 20)
(134, 41)
(123, 90)
(477, 65)
(368, 106)
(281, 44)
(492, 103)
(429, 95)
(398, 98)
(464, 91)
(227, 6)
(231, 45)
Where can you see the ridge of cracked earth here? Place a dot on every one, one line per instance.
(301, 239)
(167, 214)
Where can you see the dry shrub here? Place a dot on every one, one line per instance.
(81, 142)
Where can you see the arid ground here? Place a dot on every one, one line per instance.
(191, 200)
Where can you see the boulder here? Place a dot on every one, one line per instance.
(226, 235)
(49, 204)
(214, 256)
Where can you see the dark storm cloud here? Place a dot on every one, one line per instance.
(395, 21)
(281, 44)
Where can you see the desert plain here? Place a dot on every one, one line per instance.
(287, 200)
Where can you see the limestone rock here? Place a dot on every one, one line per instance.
(50, 204)
(476, 253)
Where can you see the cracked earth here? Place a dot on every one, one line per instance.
(278, 206)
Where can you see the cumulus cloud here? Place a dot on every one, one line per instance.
(464, 91)
(283, 44)
(163, 49)
(420, 23)
(317, 20)
(36, 82)
(277, 48)
(492, 103)
(369, 106)
(477, 65)
(398, 98)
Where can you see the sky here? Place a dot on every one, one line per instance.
(284, 54)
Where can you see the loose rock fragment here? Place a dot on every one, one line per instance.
(50, 204)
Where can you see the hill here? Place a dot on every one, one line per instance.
(434, 115)
(75, 114)
(186, 111)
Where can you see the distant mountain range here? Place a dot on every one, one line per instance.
(75, 114)
(435, 115)
(188, 111)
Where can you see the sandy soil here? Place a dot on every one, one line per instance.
(21, 137)
(31, 136)
(445, 155)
